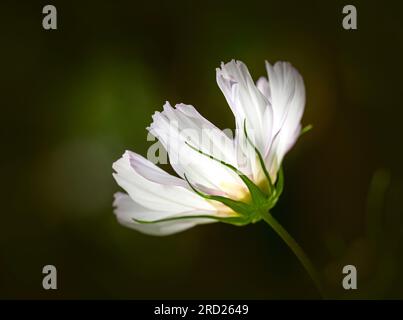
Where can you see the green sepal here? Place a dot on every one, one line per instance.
(280, 182)
(279, 186)
(306, 129)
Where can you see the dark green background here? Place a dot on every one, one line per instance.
(74, 99)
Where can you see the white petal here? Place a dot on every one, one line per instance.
(155, 189)
(152, 172)
(127, 211)
(264, 87)
(287, 92)
(180, 128)
(246, 102)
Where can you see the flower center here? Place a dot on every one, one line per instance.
(235, 191)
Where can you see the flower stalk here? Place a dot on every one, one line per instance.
(296, 249)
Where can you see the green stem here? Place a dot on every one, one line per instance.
(294, 246)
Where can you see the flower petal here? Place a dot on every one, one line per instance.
(181, 130)
(251, 109)
(287, 95)
(155, 189)
(246, 102)
(127, 211)
(264, 87)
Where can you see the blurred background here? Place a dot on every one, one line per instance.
(73, 99)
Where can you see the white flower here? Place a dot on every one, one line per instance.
(221, 179)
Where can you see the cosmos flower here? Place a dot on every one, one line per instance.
(232, 180)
